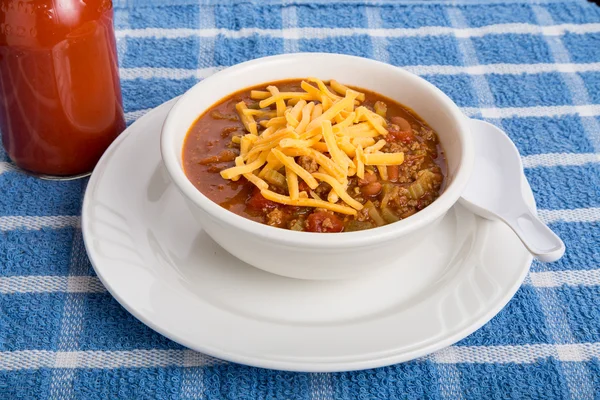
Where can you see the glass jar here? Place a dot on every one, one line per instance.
(60, 96)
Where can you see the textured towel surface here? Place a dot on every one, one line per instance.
(532, 68)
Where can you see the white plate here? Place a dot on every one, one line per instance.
(159, 264)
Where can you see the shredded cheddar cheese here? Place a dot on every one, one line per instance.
(327, 123)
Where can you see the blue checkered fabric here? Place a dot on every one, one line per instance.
(532, 68)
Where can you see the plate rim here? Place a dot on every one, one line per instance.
(277, 364)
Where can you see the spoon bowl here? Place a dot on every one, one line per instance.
(494, 191)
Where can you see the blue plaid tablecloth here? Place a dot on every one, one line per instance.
(532, 68)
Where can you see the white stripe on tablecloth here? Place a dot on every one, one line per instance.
(8, 223)
(289, 20)
(91, 284)
(469, 56)
(449, 381)
(499, 69)
(577, 376)
(378, 43)
(448, 375)
(206, 44)
(589, 110)
(321, 33)
(72, 322)
(591, 214)
(321, 386)
(50, 284)
(522, 354)
(6, 166)
(192, 379)
(559, 159)
(550, 279)
(120, 4)
(34, 359)
(166, 73)
(121, 19)
(134, 115)
(574, 82)
(519, 354)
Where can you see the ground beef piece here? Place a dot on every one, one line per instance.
(407, 172)
(327, 224)
(428, 134)
(398, 197)
(296, 224)
(396, 147)
(324, 221)
(393, 128)
(409, 211)
(308, 163)
(362, 215)
(425, 201)
(275, 217)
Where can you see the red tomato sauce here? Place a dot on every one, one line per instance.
(60, 97)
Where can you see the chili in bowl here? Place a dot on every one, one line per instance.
(311, 165)
(317, 166)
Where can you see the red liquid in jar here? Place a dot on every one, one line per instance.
(60, 97)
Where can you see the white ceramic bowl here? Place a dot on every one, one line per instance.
(319, 255)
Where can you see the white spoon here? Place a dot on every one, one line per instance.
(494, 191)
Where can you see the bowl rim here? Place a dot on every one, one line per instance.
(170, 150)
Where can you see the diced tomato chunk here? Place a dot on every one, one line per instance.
(323, 221)
(258, 202)
(303, 187)
(403, 136)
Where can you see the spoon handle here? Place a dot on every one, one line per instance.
(544, 244)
